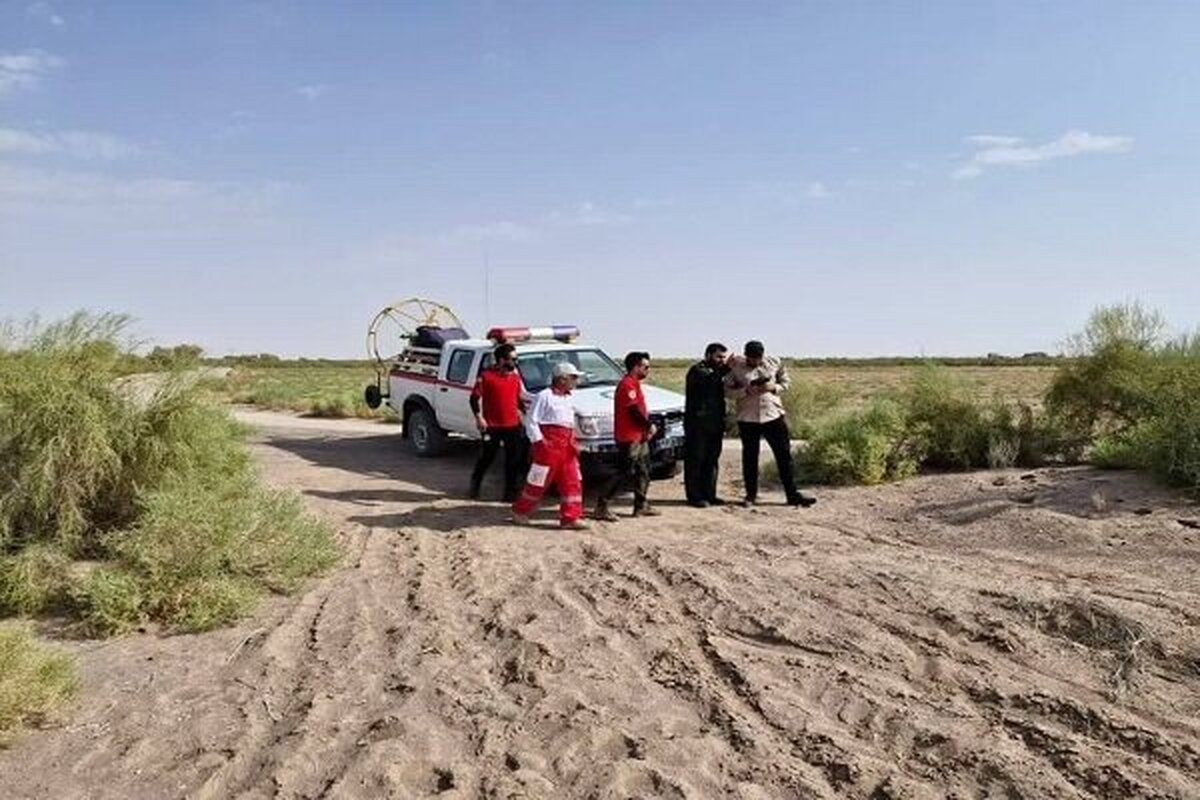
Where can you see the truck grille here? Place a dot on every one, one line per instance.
(669, 423)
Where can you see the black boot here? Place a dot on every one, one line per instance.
(802, 500)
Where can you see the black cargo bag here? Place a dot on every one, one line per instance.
(433, 337)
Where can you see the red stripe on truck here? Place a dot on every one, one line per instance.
(416, 376)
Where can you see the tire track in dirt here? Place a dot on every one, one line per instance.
(702, 607)
(692, 668)
(550, 747)
(1085, 730)
(843, 700)
(319, 663)
(873, 647)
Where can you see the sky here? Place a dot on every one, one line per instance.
(850, 178)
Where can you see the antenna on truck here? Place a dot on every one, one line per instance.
(487, 288)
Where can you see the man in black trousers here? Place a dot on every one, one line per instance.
(755, 381)
(704, 427)
(497, 403)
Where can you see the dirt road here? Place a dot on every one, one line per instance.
(990, 635)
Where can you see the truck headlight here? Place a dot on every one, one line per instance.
(594, 426)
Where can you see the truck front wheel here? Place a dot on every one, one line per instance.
(427, 437)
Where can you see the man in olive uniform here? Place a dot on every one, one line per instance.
(704, 426)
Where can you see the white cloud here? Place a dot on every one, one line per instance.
(464, 241)
(587, 213)
(137, 202)
(77, 144)
(466, 238)
(312, 91)
(44, 12)
(235, 126)
(24, 70)
(817, 191)
(14, 141)
(643, 203)
(992, 140)
(789, 193)
(967, 171)
(1008, 151)
(502, 230)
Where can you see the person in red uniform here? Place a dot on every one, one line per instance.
(633, 431)
(496, 403)
(550, 425)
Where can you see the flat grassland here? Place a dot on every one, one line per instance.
(335, 390)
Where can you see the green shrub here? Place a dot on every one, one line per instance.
(1166, 440)
(179, 356)
(1125, 450)
(869, 446)
(209, 603)
(330, 408)
(1176, 420)
(807, 401)
(34, 682)
(33, 579)
(141, 474)
(110, 601)
(64, 428)
(940, 409)
(226, 544)
(1107, 387)
(934, 421)
(1041, 439)
(1133, 395)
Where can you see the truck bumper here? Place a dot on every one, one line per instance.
(602, 456)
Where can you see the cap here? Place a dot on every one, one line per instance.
(565, 368)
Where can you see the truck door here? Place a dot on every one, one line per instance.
(454, 391)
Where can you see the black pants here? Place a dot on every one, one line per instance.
(702, 458)
(633, 470)
(513, 440)
(780, 441)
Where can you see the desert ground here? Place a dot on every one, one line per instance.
(985, 635)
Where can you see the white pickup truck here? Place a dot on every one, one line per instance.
(429, 386)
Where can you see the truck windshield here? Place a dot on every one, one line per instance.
(597, 368)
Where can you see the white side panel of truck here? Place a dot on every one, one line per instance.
(453, 394)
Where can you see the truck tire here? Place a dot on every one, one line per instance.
(372, 396)
(664, 472)
(426, 436)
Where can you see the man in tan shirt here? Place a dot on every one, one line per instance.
(755, 381)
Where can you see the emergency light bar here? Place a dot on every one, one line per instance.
(562, 333)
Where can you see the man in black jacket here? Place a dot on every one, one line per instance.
(704, 426)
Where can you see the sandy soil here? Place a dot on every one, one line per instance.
(993, 635)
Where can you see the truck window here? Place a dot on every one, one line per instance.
(459, 370)
(598, 369)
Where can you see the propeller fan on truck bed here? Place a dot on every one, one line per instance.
(410, 330)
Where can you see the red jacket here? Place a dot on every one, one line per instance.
(500, 395)
(631, 419)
